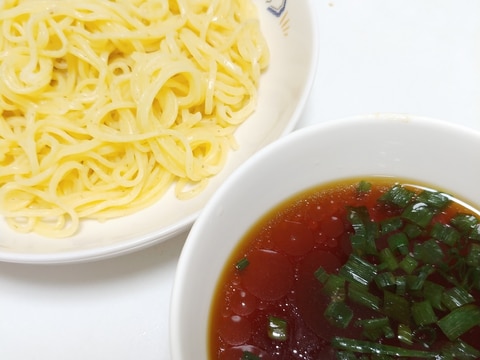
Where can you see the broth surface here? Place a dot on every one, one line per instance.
(272, 276)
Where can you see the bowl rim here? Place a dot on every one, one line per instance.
(191, 243)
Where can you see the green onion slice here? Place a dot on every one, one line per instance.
(338, 314)
(277, 328)
(242, 264)
(369, 347)
(398, 196)
(418, 213)
(359, 270)
(459, 321)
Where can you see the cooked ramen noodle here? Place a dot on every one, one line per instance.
(105, 105)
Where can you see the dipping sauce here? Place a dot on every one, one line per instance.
(361, 269)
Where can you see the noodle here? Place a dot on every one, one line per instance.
(105, 105)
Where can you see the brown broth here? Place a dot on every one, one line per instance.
(284, 249)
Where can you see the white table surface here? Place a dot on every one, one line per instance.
(413, 56)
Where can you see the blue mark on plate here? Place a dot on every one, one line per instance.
(277, 7)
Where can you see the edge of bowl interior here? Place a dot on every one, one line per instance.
(425, 150)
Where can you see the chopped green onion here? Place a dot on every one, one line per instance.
(364, 186)
(338, 314)
(475, 233)
(445, 233)
(412, 231)
(459, 321)
(368, 347)
(473, 277)
(433, 292)
(390, 225)
(435, 199)
(460, 350)
(389, 333)
(358, 270)
(398, 242)
(396, 307)
(473, 256)
(428, 252)
(385, 280)
(417, 281)
(358, 243)
(444, 269)
(418, 213)
(334, 287)
(397, 195)
(464, 222)
(456, 297)
(365, 229)
(321, 275)
(408, 264)
(277, 328)
(404, 334)
(400, 285)
(389, 261)
(360, 294)
(374, 329)
(242, 264)
(423, 314)
(358, 217)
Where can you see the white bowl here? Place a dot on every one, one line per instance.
(290, 31)
(432, 152)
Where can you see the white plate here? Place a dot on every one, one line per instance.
(291, 34)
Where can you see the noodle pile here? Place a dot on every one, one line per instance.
(104, 105)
